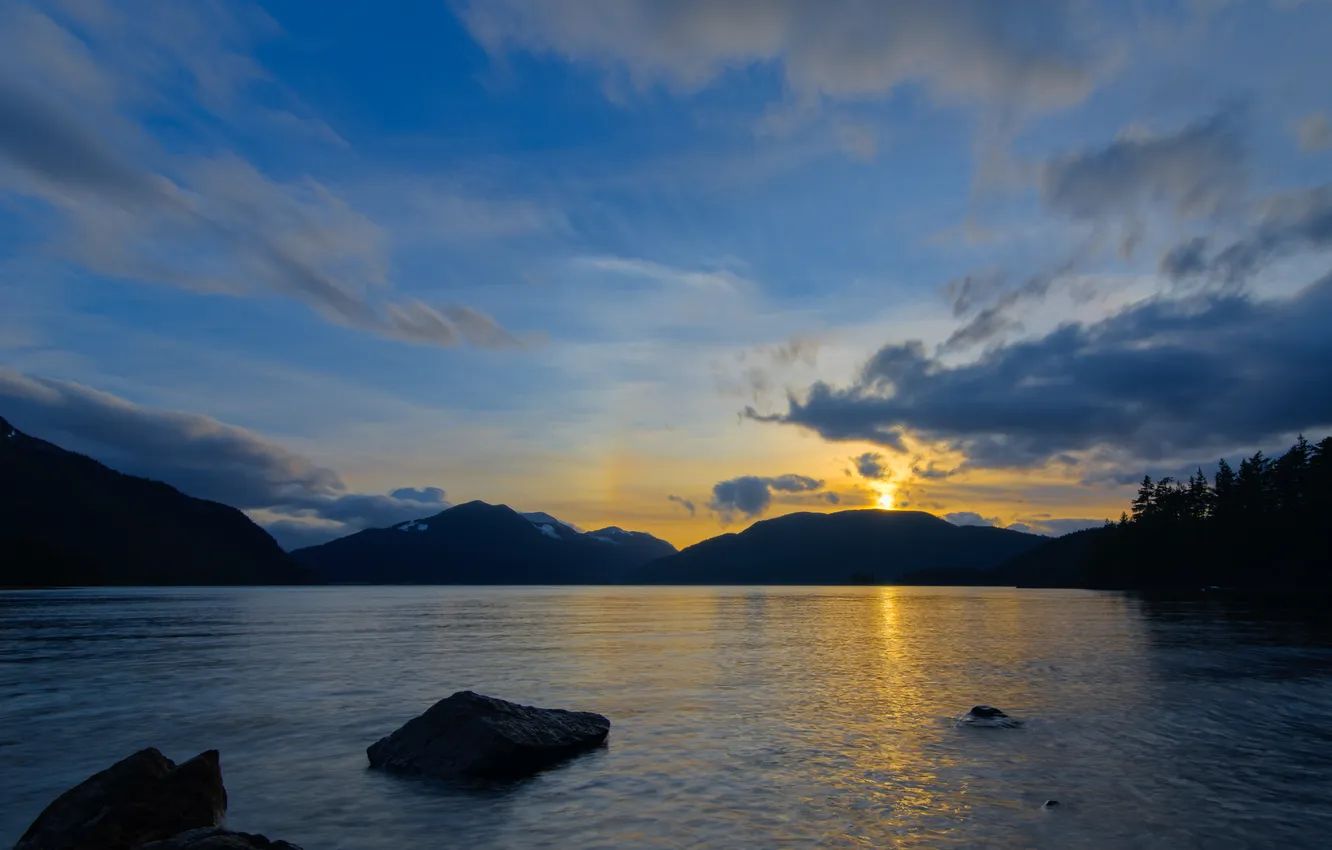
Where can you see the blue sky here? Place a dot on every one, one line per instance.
(584, 256)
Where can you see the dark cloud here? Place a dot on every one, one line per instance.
(870, 465)
(1161, 377)
(1185, 259)
(989, 324)
(429, 495)
(201, 456)
(1194, 172)
(1297, 221)
(751, 495)
(931, 471)
(684, 503)
(969, 518)
(987, 300)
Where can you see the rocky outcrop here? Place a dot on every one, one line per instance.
(144, 802)
(217, 839)
(143, 798)
(471, 735)
(985, 715)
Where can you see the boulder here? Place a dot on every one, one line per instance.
(217, 839)
(471, 735)
(985, 715)
(142, 798)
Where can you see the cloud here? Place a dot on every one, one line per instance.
(428, 495)
(201, 456)
(1194, 173)
(750, 495)
(1314, 133)
(684, 503)
(870, 465)
(1161, 378)
(1287, 223)
(215, 224)
(960, 50)
(970, 518)
(1056, 527)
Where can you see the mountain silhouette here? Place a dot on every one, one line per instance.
(67, 520)
(835, 548)
(480, 543)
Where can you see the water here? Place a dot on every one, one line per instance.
(741, 717)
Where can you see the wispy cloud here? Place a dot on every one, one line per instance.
(205, 223)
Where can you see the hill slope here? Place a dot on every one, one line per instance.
(814, 548)
(66, 519)
(479, 543)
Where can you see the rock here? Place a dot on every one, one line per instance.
(988, 716)
(217, 839)
(986, 712)
(1049, 804)
(471, 735)
(145, 797)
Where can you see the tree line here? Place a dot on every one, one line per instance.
(1266, 524)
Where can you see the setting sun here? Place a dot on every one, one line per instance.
(886, 499)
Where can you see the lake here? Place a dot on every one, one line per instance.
(742, 717)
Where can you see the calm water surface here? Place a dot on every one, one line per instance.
(741, 717)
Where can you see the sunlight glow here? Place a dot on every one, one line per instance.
(886, 499)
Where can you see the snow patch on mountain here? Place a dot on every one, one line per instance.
(549, 531)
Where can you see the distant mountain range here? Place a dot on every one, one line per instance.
(66, 519)
(859, 546)
(479, 543)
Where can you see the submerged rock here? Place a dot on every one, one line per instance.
(1049, 804)
(471, 735)
(217, 839)
(985, 715)
(143, 798)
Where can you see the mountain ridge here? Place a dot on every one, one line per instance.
(480, 543)
(837, 547)
(69, 520)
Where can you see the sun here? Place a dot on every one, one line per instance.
(886, 499)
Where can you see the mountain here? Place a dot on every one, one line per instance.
(834, 548)
(66, 519)
(540, 518)
(636, 547)
(479, 543)
(1062, 562)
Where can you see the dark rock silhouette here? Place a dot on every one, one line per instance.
(67, 520)
(217, 839)
(986, 712)
(816, 548)
(479, 543)
(146, 797)
(1049, 804)
(985, 715)
(471, 735)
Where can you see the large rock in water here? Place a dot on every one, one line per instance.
(217, 839)
(471, 735)
(145, 797)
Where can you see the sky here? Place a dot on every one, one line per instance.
(672, 266)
